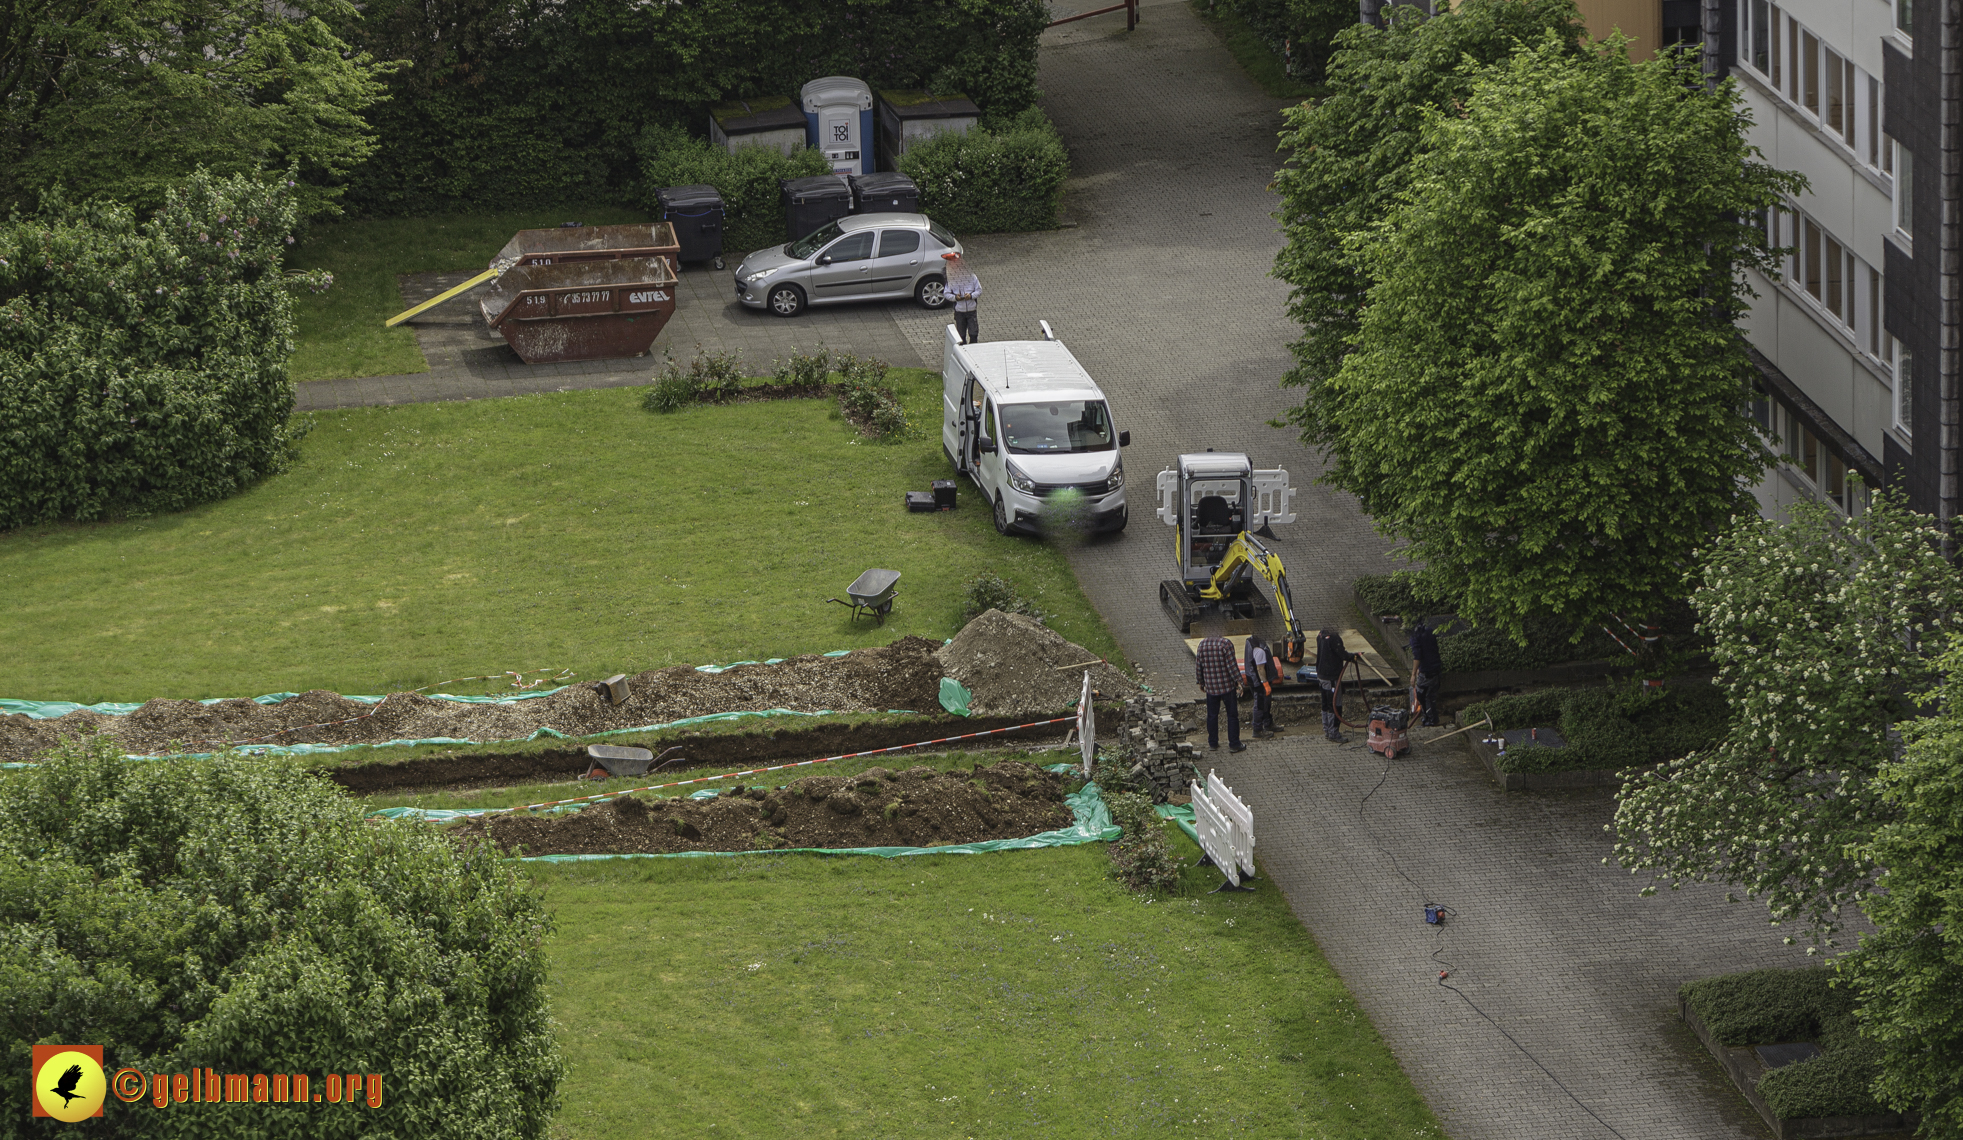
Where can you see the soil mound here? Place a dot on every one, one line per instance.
(1013, 664)
(920, 807)
(903, 675)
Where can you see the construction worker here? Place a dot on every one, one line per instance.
(1214, 673)
(1428, 672)
(1331, 660)
(964, 289)
(1259, 668)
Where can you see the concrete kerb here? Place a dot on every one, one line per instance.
(1744, 1068)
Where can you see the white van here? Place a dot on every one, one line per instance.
(1025, 420)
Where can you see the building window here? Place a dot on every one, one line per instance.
(1905, 17)
(1809, 94)
(1904, 190)
(1761, 48)
(1837, 118)
(1874, 121)
(1904, 370)
(1792, 60)
(1810, 268)
(1772, 43)
(1874, 313)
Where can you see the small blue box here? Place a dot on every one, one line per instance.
(1434, 914)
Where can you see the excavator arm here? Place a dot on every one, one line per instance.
(1249, 554)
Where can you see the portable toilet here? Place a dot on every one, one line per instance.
(838, 114)
(766, 120)
(907, 118)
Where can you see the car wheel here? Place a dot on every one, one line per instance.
(786, 300)
(1001, 514)
(931, 293)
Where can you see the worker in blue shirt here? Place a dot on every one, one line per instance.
(1428, 673)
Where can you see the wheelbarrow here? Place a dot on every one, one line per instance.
(871, 593)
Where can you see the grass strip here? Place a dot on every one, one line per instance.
(413, 544)
(1015, 994)
(340, 332)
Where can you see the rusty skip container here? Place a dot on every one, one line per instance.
(582, 310)
(590, 243)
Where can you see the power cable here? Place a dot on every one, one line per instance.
(1438, 949)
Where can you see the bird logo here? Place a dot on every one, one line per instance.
(65, 1087)
(68, 1081)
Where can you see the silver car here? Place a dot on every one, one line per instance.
(863, 257)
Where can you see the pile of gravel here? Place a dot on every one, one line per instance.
(1013, 664)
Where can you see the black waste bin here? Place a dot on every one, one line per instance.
(697, 215)
(885, 193)
(811, 202)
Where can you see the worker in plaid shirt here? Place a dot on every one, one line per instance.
(1217, 672)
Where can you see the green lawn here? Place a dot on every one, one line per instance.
(1019, 994)
(340, 331)
(1252, 53)
(418, 543)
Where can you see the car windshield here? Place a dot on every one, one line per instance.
(804, 247)
(1056, 427)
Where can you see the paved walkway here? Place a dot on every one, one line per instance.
(1162, 289)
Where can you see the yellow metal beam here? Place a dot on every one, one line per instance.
(443, 296)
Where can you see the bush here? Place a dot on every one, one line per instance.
(241, 915)
(992, 181)
(1410, 595)
(866, 399)
(711, 378)
(1141, 857)
(143, 369)
(1768, 1007)
(1608, 727)
(1301, 33)
(986, 592)
(803, 369)
(753, 209)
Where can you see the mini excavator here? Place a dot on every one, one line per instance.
(1222, 508)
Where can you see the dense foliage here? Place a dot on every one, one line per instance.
(1767, 1007)
(749, 180)
(143, 368)
(1542, 396)
(1543, 639)
(241, 915)
(1822, 629)
(1352, 154)
(1301, 33)
(1608, 726)
(511, 103)
(992, 179)
(1909, 972)
(123, 100)
(1141, 858)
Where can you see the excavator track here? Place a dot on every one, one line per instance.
(1179, 604)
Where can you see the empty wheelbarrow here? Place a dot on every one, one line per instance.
(604, 760)
(871, 593)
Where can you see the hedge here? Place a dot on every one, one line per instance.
(1301, 33)
(1608, 726)
(1550, 639)
(144, 369)
(998, 180)
(241, 915)
(748, 180)
(509, 104)
(1769, 1007)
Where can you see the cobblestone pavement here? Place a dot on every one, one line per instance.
(1555, 948)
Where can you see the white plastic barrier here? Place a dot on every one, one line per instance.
(1086, 726)
(1226, 829)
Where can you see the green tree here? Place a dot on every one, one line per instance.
(1544, 395)
(1820, 627)
(121, 99)
(240, 914)
(1351, 151)
(1909, 971)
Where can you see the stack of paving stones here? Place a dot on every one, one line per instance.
(1155, 742)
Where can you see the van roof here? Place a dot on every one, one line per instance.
(1030, 368)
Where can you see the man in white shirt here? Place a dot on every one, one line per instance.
(964, 289)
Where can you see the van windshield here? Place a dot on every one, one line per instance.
(812, 242)
(1056, 428)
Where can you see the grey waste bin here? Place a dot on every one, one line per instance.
(884, 194)
(811, 202)
(696, 212)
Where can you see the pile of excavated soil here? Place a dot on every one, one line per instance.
(920, 807)
(1012, 663)
(903, 675)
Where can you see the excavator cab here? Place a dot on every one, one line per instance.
(1220, 507)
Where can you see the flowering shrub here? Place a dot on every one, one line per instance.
(1822, 630)
(242, 915)
(144, 368)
